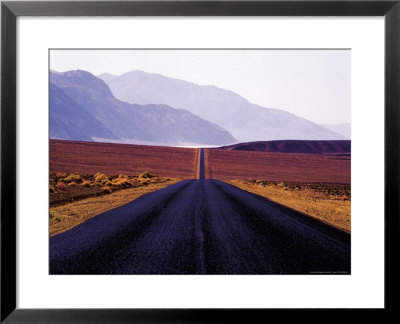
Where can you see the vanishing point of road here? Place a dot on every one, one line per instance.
(201, 227)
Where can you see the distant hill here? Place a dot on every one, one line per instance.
(82, 107)
(244, 120)
(70, 121)
(342, 129)
(295, 146)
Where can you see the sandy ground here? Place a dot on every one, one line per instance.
(327, 202)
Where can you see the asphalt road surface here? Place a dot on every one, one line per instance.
(201, 166)
(201, 227)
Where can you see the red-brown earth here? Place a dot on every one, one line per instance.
(92, 157)
(269, 166)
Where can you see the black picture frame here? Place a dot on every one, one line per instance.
(10, 10)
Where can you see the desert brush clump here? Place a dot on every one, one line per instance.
(63, 190)
(106, 183)
(146, 175)
(54, 216)
(107, 190)
(100, 177)
(86, 184)
(73, 178)
(61, 186)
(121, 181)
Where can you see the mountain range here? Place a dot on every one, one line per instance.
(82, 107)
(143, 108)
(244, 120)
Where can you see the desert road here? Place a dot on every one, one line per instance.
(200, 227)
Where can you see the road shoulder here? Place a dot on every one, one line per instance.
(72, 214)
(325, 202)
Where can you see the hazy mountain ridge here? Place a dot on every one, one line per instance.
(152, 123)
(294, 146)
(342, 129)
(70, 121)
(244, 120)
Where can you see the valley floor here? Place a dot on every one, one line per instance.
(308, 185)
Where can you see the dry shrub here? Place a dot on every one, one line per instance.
(61, 174)
(73, 178)
(120, 182)
(281, 184)
(145, 182)
(52, 189)
(61, 185)
(100, 177)
(107, 190)
(54, 216)
(72, 184)
(146, 175)
(86, 184)
(133, 182)
(116, 183)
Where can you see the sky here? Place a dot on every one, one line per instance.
(314, 84)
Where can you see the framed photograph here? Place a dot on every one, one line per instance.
(196, 161)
